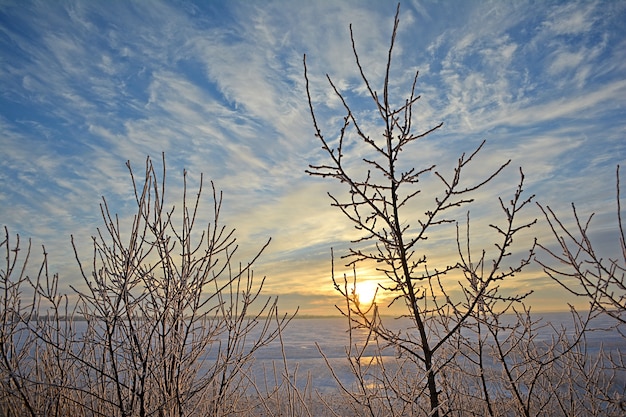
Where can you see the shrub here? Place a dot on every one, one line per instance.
(168, 323)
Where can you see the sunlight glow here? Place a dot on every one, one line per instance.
(365, 292)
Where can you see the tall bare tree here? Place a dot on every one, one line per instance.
(382, 201)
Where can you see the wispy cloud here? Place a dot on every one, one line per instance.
(219, 88)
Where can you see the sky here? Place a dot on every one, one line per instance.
(218, 87)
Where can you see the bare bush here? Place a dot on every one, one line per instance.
(168, 325)
(15, 340)
(586, 273)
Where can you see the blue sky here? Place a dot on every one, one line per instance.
(219, 87)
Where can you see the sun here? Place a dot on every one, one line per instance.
(365, 291)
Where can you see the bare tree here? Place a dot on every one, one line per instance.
(382, 201)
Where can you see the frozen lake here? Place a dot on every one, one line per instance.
(303, 339)
(302, 336)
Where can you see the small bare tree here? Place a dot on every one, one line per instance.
(382, 202)
(176, 319)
